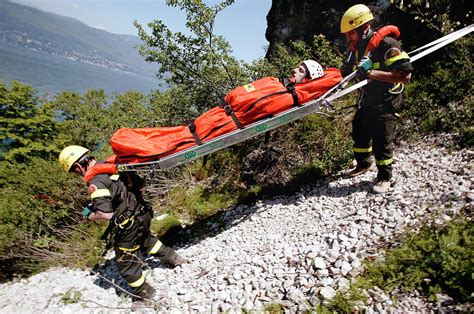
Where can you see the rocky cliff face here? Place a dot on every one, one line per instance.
(290, 20)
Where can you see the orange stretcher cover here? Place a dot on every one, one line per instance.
(252, 102)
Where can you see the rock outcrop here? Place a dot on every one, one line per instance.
(291, 20)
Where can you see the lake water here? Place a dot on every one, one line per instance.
(53, 74)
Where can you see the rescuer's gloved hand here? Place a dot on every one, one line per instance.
(364, 67)
(87, 211)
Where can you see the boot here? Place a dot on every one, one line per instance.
(170, 257)
(145, 291)
(382, 186)
(361, 169)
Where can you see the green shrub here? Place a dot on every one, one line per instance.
(435, 259)
(40, 212)
(441, 101)
(195, 202)
(444, 256)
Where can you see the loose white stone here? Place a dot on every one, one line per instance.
(286, 248)
(319, 263)
(345, 268)
(328, 293)
(343, 284)
(323, 272)
(378, 230)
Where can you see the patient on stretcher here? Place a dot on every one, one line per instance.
(242, 106)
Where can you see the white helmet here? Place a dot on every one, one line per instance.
(315, 69)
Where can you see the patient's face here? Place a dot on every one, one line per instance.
(298, 74)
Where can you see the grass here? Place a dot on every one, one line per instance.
(195, 202)
(436, 259)
(273, 308)
(160, 227)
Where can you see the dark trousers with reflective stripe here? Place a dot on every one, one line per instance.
(129, 242)
(373, 130)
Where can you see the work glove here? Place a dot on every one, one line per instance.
(87, 211)
(364, 67)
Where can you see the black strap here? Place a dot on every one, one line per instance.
(291, 90)
(267, 137)
(228, 110)
(114, 224)
(122, 218)
(263, 97)
(107, 237)
(192, 129)
(108, 230)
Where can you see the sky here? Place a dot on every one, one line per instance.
(243, 24)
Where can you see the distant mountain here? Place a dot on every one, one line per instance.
(39, 36)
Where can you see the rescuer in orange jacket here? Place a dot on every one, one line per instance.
(377, 56)
(117, 198)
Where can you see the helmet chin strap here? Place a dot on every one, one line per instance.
(84, 163)
(365, 36)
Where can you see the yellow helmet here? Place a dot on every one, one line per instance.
(71, 155)
(354, 17)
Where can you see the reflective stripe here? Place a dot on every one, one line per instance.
(137, 283)
(375, 66)
(125, 222)
(402, 56)
(100, 193)
(384, 162)
(362, 150)
(129, 250)
(156, 247)
(114, 177)
(397, 88)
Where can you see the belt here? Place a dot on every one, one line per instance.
(123, 221)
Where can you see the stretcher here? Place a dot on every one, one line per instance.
(197, 148)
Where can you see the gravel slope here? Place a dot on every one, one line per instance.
(296, 251)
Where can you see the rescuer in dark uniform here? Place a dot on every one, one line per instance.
(117, 198)
(373, 127)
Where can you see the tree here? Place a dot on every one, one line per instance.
(440, 95)
(27, 126)
(84, 118)
(201, 62)
(440, 15)
(129, 110)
